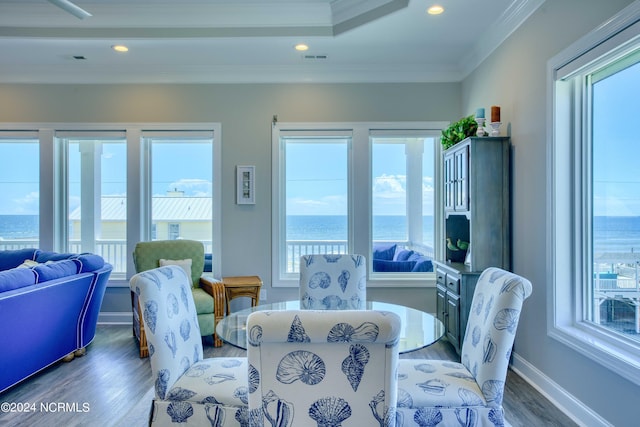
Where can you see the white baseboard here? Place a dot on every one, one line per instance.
(566, 402)
(115, 318)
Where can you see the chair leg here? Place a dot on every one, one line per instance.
(142, 338)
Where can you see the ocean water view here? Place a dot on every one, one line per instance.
(334, 227)
(18, 227)
(611, 234)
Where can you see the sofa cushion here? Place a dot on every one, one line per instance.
(13, 258)
(380, 265)
(384, 251)
(44, 256)
(88, 262)
(55, 270)
(16, 278)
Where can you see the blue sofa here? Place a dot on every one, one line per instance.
(389, 257)
(49, 306)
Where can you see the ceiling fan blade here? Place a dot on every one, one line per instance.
(71, 8)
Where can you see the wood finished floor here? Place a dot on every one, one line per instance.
(112, 383)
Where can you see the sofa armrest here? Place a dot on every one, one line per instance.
(215, 288)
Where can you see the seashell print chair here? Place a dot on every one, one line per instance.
(314, 368)
(208, 293)
(333, 282)
(437, 392)
(189, 390)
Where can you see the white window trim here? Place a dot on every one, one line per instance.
(49, 225)
(565, 259)
(360, 201)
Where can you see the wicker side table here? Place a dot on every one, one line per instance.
(241, 286)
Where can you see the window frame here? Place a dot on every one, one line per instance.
(359, 201)
(53, 196)
(568, 194)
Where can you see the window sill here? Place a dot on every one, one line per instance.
(605, 349)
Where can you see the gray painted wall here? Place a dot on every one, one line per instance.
(514, 77)
(245, 112)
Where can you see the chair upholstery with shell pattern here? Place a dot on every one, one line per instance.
(333, 282)
(313, 368)
(208, 293)
(189, 390)
(437, 392)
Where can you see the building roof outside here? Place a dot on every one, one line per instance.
(164, 208)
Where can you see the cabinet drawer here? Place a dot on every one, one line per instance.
(441, 277)
(453, 284)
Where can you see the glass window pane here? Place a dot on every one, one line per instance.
(182, 190)
(19, 193)
(402, 204)
(97, 202)
(316, 198)
(616, 203)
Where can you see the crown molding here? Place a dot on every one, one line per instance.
(517, 12)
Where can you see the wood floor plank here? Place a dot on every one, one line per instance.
(111, 386)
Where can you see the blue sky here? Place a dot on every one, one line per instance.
(317, 179)
(616, 152)
(190, 172)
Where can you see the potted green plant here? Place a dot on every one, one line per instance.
(458, 131)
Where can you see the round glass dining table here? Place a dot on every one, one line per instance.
(419, 329)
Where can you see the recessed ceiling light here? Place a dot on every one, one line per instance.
(120, 48)
(301, 47)
(435, 10)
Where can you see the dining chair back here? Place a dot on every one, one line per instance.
(333, 282)
(189, 389)
(313, 368)
(468, 393)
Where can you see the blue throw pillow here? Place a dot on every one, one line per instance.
(16, 278)
(89, 262)
(423, 265)
(13, 258)
(55, 270)
(384, 251)
(403, 255)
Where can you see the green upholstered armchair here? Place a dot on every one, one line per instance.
(208, 293)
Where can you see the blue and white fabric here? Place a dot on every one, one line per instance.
(320, 368)
(189, 390)
(444, 393)
(333, 282)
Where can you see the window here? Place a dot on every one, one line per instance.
(355, 188)
(402, 201)
(95, 192)
(181, 186)
(316, 214)
(595, 197)
(174, 231)
(19, 190)
(113, 185)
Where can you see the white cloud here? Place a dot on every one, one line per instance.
(192, 187)
(26, 205)
(327, 205)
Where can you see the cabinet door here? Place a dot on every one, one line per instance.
(452, 324)
(461, 171)
(441, 304)
(449, 183)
